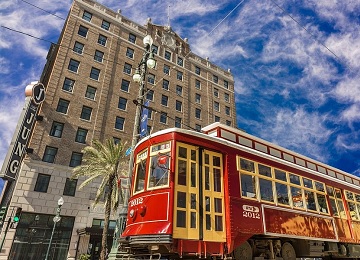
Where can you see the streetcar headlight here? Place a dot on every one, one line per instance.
(132, 213)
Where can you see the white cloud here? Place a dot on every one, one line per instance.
(297, 130)
(9, 115)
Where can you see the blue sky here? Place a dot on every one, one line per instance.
(296, 64)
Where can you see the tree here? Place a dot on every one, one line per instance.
(104, 161)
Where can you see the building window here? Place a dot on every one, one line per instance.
(180, 61)
(94, 73)
(198, 127)
(150, 114)
(119, 123)
(90, 92)
(56, 129)
(70, 187)
(226, 84)
(130, 53)
(215, 79)
(81, 135)
(197, 84)
(227, 110)
(217, 119)
(228, 122)
(82, 31)
(42, 183)
(63, 106)
(102, 40)
(87, 16)
(163, 117)
(198, 113)
(132, 38)
(178, 122)
(165, 84)
(179, 75)
(216, 106)
(122, 103)
(99, 56)
(68, 85)
(105, 25)
(127, 68)
(78, 47)
(167, 55)
(125, 85)
(216, 92)
(178, 106)
(49, 154)
(164, 100)
(226, 97)
(166, 69)
(150, 95)
(154, 49)
(86, 113)
(198, 98)
(197, 70)
(151, 78)
(76, 159)
(74, 65)
(179, 90)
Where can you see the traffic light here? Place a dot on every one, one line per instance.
(17, 215)
(2, 213)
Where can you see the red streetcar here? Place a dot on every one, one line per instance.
(226, 194)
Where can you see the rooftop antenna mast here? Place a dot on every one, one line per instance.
(169, 15)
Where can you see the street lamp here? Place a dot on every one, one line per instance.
(56, 219)
(147, 61)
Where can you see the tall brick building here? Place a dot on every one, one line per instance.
(89, 95)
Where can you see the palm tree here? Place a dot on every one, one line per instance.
(104, 161)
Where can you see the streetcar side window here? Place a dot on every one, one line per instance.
(268, 184)
(247, 165)
(248, 186)
(336, 202)
(353, 204)
(282, 194)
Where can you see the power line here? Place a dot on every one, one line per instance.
(43, 10)
(304, 28)
(226, 17)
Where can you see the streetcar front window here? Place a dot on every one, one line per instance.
(140, 172)
(159, 170)
(159, 167)
(140, 176)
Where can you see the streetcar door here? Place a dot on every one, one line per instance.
(199, 195)
(186, 197)
(213, 197)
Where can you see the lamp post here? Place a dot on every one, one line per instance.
(56, 219)
(147, 61)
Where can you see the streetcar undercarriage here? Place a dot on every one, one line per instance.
(259, 248)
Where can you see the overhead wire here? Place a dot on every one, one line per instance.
(305, 29)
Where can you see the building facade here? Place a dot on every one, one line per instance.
(89, 95)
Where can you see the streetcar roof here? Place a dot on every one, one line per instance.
(229, 137)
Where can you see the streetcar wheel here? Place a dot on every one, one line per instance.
(288, 251)
(243, 252)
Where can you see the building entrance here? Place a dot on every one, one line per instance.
(33, 235)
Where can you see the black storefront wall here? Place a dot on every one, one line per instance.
(33, 234)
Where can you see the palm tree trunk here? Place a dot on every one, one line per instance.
(104, 249)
